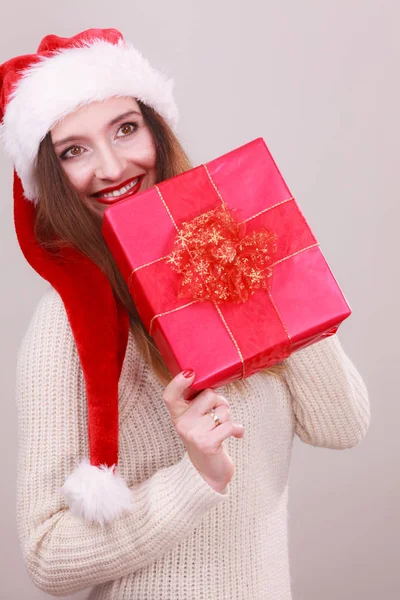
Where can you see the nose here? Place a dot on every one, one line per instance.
(109, 164)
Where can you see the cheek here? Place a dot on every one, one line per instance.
(78, 175)
(143, 151)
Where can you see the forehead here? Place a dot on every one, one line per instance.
(93, 115)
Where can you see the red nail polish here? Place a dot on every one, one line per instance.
(188, 373)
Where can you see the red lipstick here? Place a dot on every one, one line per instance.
(113, 199)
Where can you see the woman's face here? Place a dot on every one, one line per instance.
(107, 151)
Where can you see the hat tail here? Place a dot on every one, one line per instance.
(100, 325)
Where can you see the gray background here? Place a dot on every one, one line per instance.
(320, 82)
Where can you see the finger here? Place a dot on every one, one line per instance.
(207, 399)
(222, 432)
(173, 393)
(207, 422)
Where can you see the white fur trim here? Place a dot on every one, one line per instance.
(68, 79)
(95, 494)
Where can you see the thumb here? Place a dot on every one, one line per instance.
(176, 392)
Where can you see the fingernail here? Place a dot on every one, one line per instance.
(188, 373)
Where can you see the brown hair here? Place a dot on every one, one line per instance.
(62, 219)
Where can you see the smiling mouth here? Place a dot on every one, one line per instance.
(130, 188)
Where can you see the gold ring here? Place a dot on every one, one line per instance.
(214, 416)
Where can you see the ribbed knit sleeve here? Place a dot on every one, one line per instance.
(330, 399)
(62, 553)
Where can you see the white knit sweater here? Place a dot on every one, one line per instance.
(183, 541)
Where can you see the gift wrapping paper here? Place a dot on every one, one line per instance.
(300, 304)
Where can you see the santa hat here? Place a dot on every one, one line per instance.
(36, 92)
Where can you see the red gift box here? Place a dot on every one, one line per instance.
(301, 304)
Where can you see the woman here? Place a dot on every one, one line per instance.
(88, 122)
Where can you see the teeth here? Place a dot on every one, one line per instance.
(121, 191)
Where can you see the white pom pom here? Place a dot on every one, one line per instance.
(95, 494)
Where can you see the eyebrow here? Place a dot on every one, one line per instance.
(72, 138)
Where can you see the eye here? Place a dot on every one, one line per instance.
(127, 129)
(72, 152)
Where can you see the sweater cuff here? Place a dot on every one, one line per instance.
(198, 484)
(180, 494)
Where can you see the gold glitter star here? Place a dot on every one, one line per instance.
(183, 236)
(255, 276)
(202, 267)
(215, 237)
(173, 259)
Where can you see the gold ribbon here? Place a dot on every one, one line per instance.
(217, 307)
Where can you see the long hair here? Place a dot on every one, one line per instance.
(62, 219)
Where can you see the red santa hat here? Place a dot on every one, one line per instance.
(36, 92)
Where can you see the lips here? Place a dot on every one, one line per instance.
(113, 199)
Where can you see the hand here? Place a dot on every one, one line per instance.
(203, 439)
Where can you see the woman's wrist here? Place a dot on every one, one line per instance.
(218, 486)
